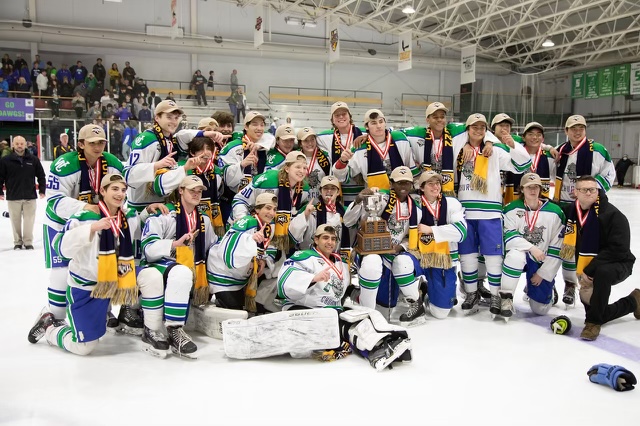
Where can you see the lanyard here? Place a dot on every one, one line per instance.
(313, 161)
(435, 213)
(209, 164)
(383, 153)
(347, 142)
(115, 224)
(531, 222)
(330, 263)
(438, 151)
(579, 146)
(262, 226)
(192, 220)
(536, 159)
(581, 219)
(94, 177)
(399, 209)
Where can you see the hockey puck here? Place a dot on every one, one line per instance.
(560, 324)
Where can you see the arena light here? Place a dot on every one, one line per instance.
(548, 43)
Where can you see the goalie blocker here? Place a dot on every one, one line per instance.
(300, 332)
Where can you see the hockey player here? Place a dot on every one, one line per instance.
(73, 186)
(480, 193)
(101, 248)
(318, 164)
(207, 127)
(242, 159)
(329, 210)
(309, 279)
(244, 254)
(385, 271)
(285, 143)
(578, 157)
(338, 139)
(201, 162)
(532, 238)
(288, 185)
(175, 248)
(382, 152)
(441, 228)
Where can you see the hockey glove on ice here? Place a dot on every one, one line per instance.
(619, 378)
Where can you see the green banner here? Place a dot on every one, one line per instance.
(577, 85)
(621, 74)
(591, 85)
(605, 81)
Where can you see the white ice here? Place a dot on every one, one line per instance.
(465, 370)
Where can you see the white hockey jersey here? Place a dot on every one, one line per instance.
(523, 230)
(297, 272)
(454, 230)
(232, 155)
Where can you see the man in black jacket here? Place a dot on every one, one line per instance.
(602, 240)
(18, 171)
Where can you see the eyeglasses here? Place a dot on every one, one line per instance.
(434, 183)
(587, 190)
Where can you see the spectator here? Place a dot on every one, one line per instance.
(62, 73)
(78, 104)
(92, 88)
(12, 78)
(128, 73)
(123, 113)
(233, 106)
(128, 135)
(140, 88)
(19, 171)
(106, 99)
(42, 83)
(153, 100)
(64, 146)
(241, 104)
(137, 105)
(33, 149)
(26, 74)
(35, 72)
(4, 87)
(109, 112)
(23, 88)
(122, 91)
(99, 72)
(54, 102)
(6, 61)
(145, 113)
(66, 89)
(79, 73)
(51, 71)
(622, 166)
(4, 148)
(94, 111)
(82, 89)
(170, 97)
(114, 76)
(20, 62)
(210, 83)
(198, 82)
(115, 144)
(38, 61)
(234, 81)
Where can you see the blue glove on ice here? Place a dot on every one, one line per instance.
(619, 378)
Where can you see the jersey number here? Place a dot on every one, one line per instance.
(53, 183)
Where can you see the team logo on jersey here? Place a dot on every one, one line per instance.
(314, 178)
(467, 169)
(387, 166)
(270, 158)
(436, 165)
(239, 151)
(395, 227)
(571, 171)
(534, 236)
(61, 165)
(520, 213)
(260, 179)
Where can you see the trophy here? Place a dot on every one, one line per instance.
(373, 236)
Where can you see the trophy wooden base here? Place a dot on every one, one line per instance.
(373, 238)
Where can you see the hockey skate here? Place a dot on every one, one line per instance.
(181, 343)
(494, 307)
(485, 294)
(351, 295)
(129, 321)
(389, 351)
(506, 307)
(415, 315)
(569, 296)
(156, 343)
(471, 303)
(113, 325)
(44, 321)
(555, 296)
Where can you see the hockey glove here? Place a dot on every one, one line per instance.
(619, 378)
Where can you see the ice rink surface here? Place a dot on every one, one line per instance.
(465, 370)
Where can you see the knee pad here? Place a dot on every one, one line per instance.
(180, 277)
(402, 265)
(515, 259)
(539, 308)
(371, 267)
(150, 282)
(83, 348)
(438, 313)
(469, 262)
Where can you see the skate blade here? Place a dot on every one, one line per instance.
(131, 331)
(506, 319)
(471, 311)
(182, 355)
(398, 351)
(421, 320)
(155, 352)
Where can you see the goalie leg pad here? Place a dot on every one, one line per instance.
(298, 332)
(368, 327)
(208, 319)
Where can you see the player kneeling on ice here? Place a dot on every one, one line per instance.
(312, 279)
(101, 269)
(387, 272)
(243, 256)
(532, 238)
(175, 248)
(440, 230)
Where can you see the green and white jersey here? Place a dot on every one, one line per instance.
(524, 229)
(75, 242)
(417, 135)
(295, 286)
(63, 188)
(602, 169)
(139, 171)
(230, 262)
(232, 155)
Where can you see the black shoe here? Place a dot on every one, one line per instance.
(45, 321)
(28, 247)
(17, 247)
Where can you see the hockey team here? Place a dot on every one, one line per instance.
(245, 222)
